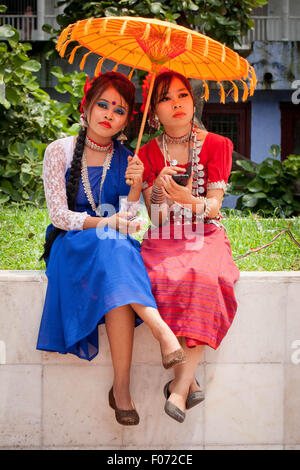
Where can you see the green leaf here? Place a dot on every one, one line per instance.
(249, 200)
(260, 195)
(60, 88)
(238, 178)
(26, 168)
(6, 187)
(16, 148)
(247, 165)
(3, 8)
(274, 150)
(266, 171)
(192, 6)
(57, 72)
(4, 198)
(255, 185)
(11, 169)
(31, 65)
(156, 8)
(25, 178)
(6, 31)
(288, 198)
(12, 96)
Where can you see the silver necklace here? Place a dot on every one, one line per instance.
(86, 182)
(177, 140)
(197, 182)
(94, 146)
(173, 162)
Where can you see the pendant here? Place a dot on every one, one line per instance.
(173, 162)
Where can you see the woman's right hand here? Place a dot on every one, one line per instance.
(168, 170)
(123, 224)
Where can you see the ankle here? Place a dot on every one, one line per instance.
(121, 384)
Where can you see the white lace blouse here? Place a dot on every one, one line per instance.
(57, 159)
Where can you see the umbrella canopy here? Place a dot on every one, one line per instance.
(149, 44)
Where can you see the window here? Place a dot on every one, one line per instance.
(231, 120)
(290, 129)
(18, 7)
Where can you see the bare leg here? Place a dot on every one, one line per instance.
(159, 328)
(184, 382)
(121, 319)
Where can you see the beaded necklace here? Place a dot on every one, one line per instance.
(94, 146)
(197, 182)
(86, 182)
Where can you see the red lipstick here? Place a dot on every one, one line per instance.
(105, 124)
(178, 114)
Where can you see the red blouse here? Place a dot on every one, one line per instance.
(215, 156)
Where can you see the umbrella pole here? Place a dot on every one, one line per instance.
(129, 181)
(145, 114)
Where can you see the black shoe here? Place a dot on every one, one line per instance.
(170, 409)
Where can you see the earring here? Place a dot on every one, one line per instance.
(83, 121)
(154, 122)
(122, 136)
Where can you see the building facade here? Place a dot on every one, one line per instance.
(272, 114)
(28, 17)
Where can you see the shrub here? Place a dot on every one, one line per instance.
(29, 119)
(270, 187)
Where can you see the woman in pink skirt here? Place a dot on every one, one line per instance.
(186, 251)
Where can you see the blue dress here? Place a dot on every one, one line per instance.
(92, 271)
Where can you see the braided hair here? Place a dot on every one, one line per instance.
(127, 90)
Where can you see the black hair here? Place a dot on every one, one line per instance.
(71, 189)
(164, 79)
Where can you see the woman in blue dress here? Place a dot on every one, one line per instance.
(94, 267)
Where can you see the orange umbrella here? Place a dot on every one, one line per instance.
(148, 44)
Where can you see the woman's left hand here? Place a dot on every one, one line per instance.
(135, 170)
(177, 193)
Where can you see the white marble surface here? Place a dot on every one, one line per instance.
(252, 383)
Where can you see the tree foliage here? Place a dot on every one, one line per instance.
(29, 118)
(223, 20)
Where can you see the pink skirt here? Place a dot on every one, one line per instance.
(192, 280)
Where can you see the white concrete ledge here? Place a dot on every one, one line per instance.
(252, 382)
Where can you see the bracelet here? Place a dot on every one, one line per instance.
(157, 195)
(131, 207)
(206, 208)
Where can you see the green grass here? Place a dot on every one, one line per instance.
(22, 232)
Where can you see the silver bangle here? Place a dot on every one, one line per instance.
(157, 195)
(206, 208)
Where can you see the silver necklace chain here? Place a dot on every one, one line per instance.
(176, 140)
(86, 182)
(198, 174)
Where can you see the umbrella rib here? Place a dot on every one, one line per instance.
(183, 66)
(200, 72)
(208, 66)
(217, 60)
(105, 44)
